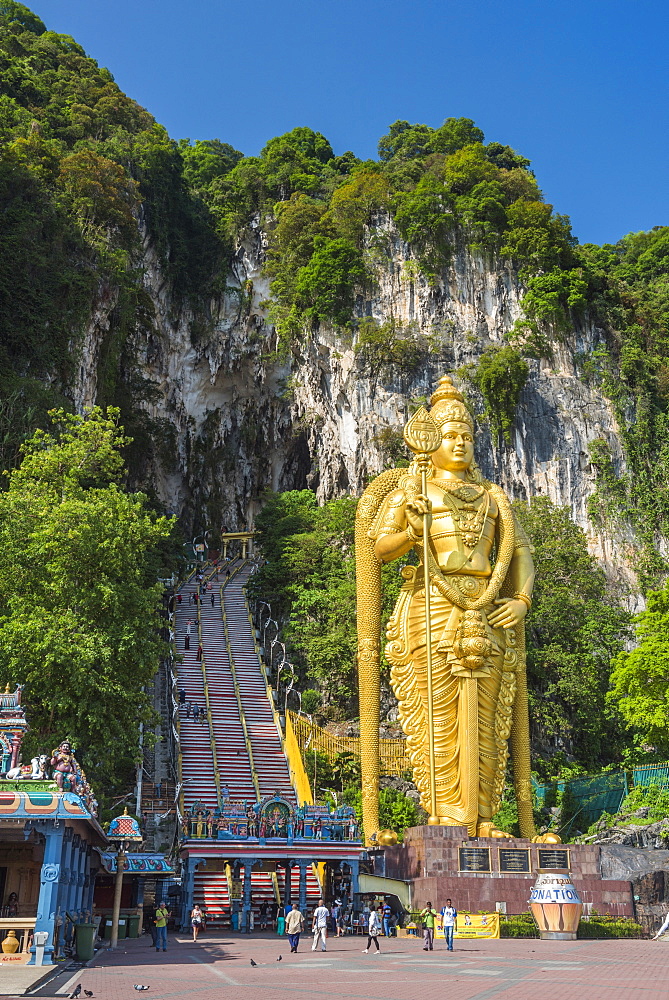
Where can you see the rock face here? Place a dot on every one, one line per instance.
(231, 418)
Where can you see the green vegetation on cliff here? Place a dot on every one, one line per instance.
(88, 178)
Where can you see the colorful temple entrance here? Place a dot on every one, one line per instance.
(250, 833)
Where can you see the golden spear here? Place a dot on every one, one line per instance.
(423, 438)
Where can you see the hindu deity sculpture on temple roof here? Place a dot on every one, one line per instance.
(64, 766)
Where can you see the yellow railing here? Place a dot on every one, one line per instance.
(293, 752)
(310, 737)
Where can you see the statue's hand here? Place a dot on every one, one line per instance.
(509, 613)
(416, 510)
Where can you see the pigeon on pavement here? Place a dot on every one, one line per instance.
(89, 993)
(139, 987)
(279, 958)
(253, 963)
(76, 992)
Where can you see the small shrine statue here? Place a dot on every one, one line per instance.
(252, 820)
(64, 766)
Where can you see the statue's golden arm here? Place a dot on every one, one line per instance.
(511, 612)
(402, 526)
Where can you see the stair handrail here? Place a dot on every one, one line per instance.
(296, 771)
(235, 684)
(179, 797)
(203, 665)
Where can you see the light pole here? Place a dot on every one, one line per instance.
(123, 831)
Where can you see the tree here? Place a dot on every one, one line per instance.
(79, 625)
(353, 203)
(16, 13)
(640, 678)
(101, 193)
(325, 286)
(500, 377)
(573, 630)
(308, 577)
(295, 161)
(206, 160)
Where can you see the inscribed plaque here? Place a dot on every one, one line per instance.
(514, 859)
(474, 859)
(551, 857)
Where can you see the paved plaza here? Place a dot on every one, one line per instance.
(219, 967)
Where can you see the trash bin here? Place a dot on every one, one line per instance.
(122, 927)
(106, 931)
(133, 925)
(85, 941)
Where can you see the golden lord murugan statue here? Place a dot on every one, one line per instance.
(457, 651)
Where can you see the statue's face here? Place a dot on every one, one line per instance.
(456, 452)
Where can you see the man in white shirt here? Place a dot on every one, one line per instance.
(320, 926)
(449, 915)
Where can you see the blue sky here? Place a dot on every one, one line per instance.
(581, 88)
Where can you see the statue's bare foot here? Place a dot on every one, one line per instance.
(547, 838)
(488, 829)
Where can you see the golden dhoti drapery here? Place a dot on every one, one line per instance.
(472, 707)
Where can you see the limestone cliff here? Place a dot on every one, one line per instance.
(236, 419)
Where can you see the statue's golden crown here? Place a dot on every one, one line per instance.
(448, 404)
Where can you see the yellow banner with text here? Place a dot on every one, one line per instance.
(475, 925)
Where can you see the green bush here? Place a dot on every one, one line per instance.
(520, 925)
(597, 926)
(601, 926)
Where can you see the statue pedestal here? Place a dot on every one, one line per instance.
(490, 873)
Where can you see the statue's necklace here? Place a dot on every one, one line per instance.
(467, 492)
(470, 518)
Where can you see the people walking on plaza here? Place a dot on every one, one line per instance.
(264, 914)
(427, 917)
(196, 920)
(373, 929)
(449, 917)
(320, 926)
(294, 927)
(162, 916)
(387, 918)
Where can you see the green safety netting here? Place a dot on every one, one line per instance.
(652, 774)
(590, 795)
(593, 795)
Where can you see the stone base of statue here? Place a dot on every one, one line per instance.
(485, 874)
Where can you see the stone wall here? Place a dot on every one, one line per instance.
(429, 859)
